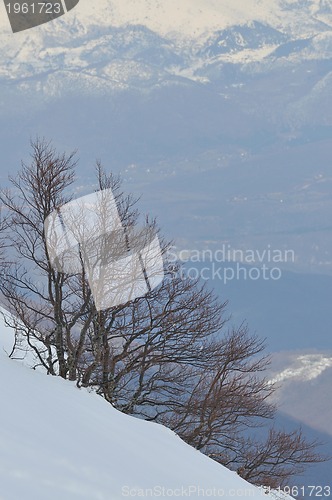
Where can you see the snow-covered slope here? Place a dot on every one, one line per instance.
(57, 441)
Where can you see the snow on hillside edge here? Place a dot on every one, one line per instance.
(57, 441)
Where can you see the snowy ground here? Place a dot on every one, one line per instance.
(59, 442)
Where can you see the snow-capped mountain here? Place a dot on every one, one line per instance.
(192, 18)
(304, 381)
(113, 44)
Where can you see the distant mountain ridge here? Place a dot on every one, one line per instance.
(194, 18)
(304, 381)
(162, 40)
(254, 35)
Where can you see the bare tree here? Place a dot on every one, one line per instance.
(274, 462)
(166, 356)
(43, 306)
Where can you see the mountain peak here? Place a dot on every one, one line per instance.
(194, 18)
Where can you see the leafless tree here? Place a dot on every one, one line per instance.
(41, 301)
(167, 356)
(276, 460)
